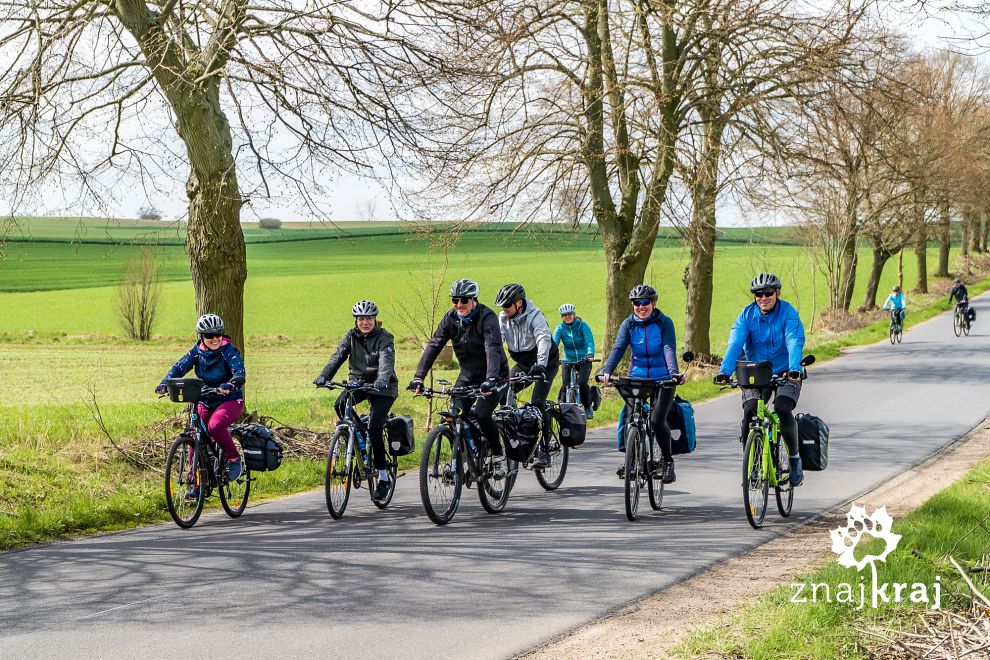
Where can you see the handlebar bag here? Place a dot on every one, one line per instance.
(262, 452)
(812, 442)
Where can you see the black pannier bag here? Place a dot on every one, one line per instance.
(596, 397)
(971, 314)
(399, 435)
(812, 442)
(573, 424)
(262, 452)
(521, 427)
(753, 374)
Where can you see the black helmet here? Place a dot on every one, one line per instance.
(209, 324)
(464, 289)
(643, 291)
(364, 308)
(509, 294)
(764, 281)
(897, 287)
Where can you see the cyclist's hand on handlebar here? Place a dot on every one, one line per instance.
(381, 384)
(794, 374)
(590, 358)
(226, 388)
(320, 381)
(161, 390)
(721, 379)
(488, 386)
(537, 370)
(604, 378)
(415, 385)
(678, 379)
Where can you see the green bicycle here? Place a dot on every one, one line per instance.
(765, 455)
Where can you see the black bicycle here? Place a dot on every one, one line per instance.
(896, 326)
(960, 319)
(456, 453)
(195, 465)
(349, 458)
(507, 416)
(572, 390)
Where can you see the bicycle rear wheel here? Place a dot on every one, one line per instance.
(234, 494)
(440, 476)
(655, 467)
(552, 476)
(633, 476)
(965, 326)
(184, 477)
(755, 484)
(337, 478)
(783, 491)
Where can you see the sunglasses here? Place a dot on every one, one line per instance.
(641, 303)
(764, 294)
(211, 336)
(460, 301)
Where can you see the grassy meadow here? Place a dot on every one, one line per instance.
(60, 343)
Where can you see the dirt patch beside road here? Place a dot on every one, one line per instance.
(653, 626)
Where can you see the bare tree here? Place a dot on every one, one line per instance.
(137, 295)
(101, 87)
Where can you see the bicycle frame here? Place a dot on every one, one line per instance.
(456, 419)
(354, 424)
(767, 422)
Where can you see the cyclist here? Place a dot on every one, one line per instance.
(650, 335)
(897, 301)
(961, 296)
(769, 329)
(218, 364)
(527, 334)
(474, 332)
(579, 348)
(370, 353)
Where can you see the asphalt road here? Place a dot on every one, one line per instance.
(287, 580)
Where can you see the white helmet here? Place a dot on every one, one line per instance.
(566, 308)
(364, 308)
(209, 324)
(464, 289)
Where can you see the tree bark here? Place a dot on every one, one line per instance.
(944, 239)
(880, 257)
(921, 252)
(850, 259)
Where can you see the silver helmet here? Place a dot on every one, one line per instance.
(764, 281)
(209, 324)
(567, 308)
(464, 289)
(364, 308)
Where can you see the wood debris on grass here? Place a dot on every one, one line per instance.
(939, 634)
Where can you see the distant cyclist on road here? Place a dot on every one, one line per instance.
(527, 334)
(896, 301)
(579, 348)
(473, 330)
(769, 329)
(218, 364)
(650, 335)
(370, 353)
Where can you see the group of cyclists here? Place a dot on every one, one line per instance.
(767, 329)
(897, 302)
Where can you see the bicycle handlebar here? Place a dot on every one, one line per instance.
(350, 386)
(622, 380)
(574, 364)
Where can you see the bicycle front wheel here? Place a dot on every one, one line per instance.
(234, 494)
(184, 492)
(440, 476)
(493, 493)
(633, 477)
(654, 468)
(900, 332)
(552, 476)
(893, 332)
(957, 323)
(373, 484)
(755, 484)
(337, 478)
(783, 490)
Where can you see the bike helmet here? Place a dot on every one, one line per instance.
(897, 288)
(957, 281)
(643, 291)
(364, 308)
(567, 308)
(509, 294)
(464, 289)
(209, 324)
(764, 281)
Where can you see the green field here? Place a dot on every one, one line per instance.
(60, 341)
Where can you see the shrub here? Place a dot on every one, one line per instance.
(270, 223)
(149, 212)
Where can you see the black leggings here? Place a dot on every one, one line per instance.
(659, 409)
(482, 408)
(380, 405)
(583, 373)
(784, 407)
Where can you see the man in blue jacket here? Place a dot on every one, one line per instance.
(770, 330)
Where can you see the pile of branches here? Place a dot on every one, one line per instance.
(941, 634)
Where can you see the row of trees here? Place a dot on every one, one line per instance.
(628, 113)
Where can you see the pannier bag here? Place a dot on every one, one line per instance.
(573, 424)
(813, 442)
(680, 419)
(753, 374)
(262, 452)
(596, 397)
(399, 435)
(184, 390)
(521, 427)
(971, 314)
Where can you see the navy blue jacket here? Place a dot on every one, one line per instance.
(214, 368)
(653, 343)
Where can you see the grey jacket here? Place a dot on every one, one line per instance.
(528, 337)
(370, 357)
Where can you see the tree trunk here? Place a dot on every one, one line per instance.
(921, 252)
(981, 236)
(986, 230)
(880, 257)
(964, 248)
(622, 271)
(944, 239)
(847, 284)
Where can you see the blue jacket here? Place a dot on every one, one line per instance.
(214, 368)
(578, 340)
(777, 338)
(895, 300)
(654, 347)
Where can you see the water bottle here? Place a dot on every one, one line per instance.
(470, 440)
(361, 442)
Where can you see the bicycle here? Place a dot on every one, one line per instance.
(551, 476)
(960, 319)
(351, 438)
(896, 326)
(456, 453)
(572, 391)
(765, 454)
(194, 467)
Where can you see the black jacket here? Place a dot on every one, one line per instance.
(960, 293)
(477, 344)
(370, 357)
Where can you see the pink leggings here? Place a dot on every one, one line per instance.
(218, 423)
